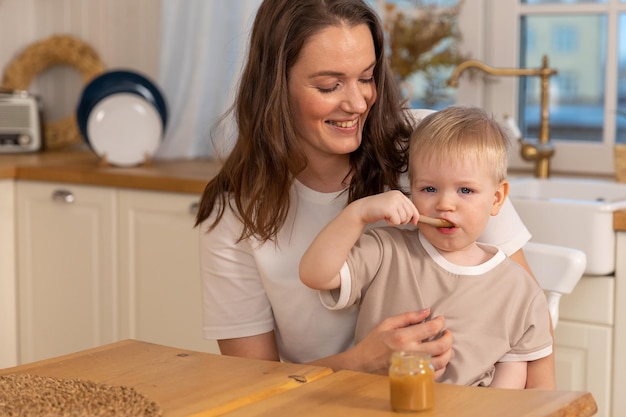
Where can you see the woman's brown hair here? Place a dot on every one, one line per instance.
(258, 173)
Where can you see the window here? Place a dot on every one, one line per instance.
(585, 40)
(565, 38)
(567, 85)
(575, 113)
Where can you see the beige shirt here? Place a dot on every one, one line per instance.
(495, 310)
(250, 288)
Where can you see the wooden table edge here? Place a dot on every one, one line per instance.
(306, 375)
(295, 381)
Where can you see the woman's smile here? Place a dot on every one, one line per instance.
(345, 124)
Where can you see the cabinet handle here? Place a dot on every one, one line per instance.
(63, 196)
(193, 208)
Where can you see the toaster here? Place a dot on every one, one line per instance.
(20, 122)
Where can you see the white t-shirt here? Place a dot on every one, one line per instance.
(250, 288)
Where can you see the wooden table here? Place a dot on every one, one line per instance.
(187, 383)
(356, 394)
(182, 382)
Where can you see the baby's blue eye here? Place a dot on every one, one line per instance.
(465, 190)
(430, 189)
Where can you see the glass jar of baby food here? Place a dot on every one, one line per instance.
(411, 382)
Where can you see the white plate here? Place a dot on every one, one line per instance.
(125, 129)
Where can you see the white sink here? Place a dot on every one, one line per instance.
(572, 212)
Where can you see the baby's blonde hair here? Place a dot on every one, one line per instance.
(460, 133)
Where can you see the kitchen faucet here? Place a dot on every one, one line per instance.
(542, 151)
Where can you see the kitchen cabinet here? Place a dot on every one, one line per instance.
(67, 268)
(159, 275)
(584, 340)
(582, 363)
(619, 343)
(101, 264)
(8, 302)
(590, 340)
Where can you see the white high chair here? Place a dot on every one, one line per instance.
(557, 269)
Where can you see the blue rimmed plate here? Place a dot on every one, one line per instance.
(124, 129)
(126, 101)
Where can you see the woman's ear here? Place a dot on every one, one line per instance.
(502, 191)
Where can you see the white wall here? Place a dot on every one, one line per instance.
(125, 33)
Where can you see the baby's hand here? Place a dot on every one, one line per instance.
(392, 206)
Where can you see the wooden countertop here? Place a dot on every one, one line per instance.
(182, 382)
(619, 221)
(188, 383)
(82, 166)
(355, 394)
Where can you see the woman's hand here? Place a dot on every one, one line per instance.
(405, 331)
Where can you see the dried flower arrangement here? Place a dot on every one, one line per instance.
(423, 39)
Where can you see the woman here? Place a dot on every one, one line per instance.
(320, 124)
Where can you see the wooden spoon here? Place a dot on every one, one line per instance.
(435, 222)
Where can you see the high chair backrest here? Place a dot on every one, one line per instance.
(557, 269)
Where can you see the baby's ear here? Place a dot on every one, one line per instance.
(502, 191)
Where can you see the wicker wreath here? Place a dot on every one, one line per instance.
(38, 57)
